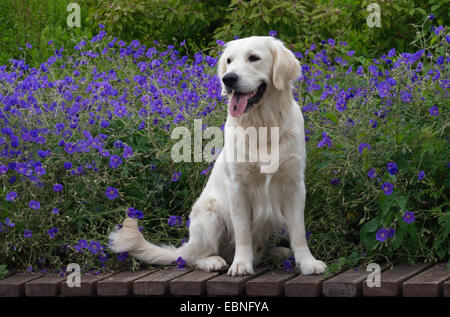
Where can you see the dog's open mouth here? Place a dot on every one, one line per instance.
(240, 102)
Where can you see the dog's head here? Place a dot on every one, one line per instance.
(250, 67)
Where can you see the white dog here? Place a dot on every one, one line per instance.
(240, 206)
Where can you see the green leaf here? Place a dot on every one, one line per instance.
(331, 116)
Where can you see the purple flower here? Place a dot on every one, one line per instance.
(372, 173)
(114, 161)
(52, 232)
(67, 165)
(9, 223)
(363, 146)
(438, 30)
(383, 89)
(135, 213)
(406, 96)
(273, 33)
(289, 264)
(434, 111)
(176, 176)
(387, 188)
(104, 123)
(181, 263)
(122, 256)
(325, 141)
(391, 53)
(350, 53)
(111, 193)
(83, 243)
(392, 168)
(103, 257)
(3, 169)
(95, 247)
(390, 233)
(335, 181)
(409, 217)
(421, 175)
(27, 233)
(57, 187)
(175, 221)
(11, 196)
(55, 211)
(34, 204)
(382, 234)
(39, 171)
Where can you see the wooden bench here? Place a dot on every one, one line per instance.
(420, 280)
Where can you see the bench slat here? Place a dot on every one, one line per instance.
(226, 285)
(48, 285)
(346, 284)
(88, 285)
(269, 284)
(428, 283)
(120, 284)
(306, 285)
(158, 282)
(14, 286)
(447, 289)
(392, 279)
(193, 283)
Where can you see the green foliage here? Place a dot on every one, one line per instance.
(301, 23)
(37, 22)
(165, 21)
(3, 270)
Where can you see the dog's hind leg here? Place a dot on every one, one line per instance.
(206, 228)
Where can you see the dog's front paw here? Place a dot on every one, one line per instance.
(240, 267)
(312, 266)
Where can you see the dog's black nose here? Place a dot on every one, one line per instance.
(230, 79)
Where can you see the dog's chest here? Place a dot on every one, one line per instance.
(287, 175)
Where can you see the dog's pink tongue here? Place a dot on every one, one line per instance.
(237, 104)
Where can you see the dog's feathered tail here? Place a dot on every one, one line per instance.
(130, 239)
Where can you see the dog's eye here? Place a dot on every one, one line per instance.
(253, 58)
(228, 60)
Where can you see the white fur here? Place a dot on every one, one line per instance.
(240, 206)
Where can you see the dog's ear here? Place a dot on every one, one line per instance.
(221, 68)
(286, 67)
(221, 65)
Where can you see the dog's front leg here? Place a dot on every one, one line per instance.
(294, 208)
(240, 211)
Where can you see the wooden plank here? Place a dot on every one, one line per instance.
(120, 284)
(158, 282)
(269, 284)
(391, 280)
(428, 283)
(447, 289)
(346, 284)
(306, 285)
(88, 285)
(49, 285)
(14, 286)
(226, 285)
(193, 283)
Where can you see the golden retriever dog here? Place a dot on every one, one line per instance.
(244, 202)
